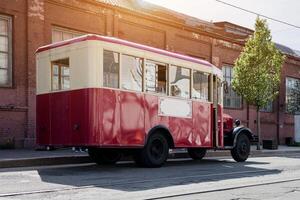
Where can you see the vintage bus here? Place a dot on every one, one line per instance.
(117, 97)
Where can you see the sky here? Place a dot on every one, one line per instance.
(213, 11)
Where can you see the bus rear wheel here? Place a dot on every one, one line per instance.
(105, 156)
(196, 153)
(241, 151)
(154, 153)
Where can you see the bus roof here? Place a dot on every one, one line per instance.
(125, 43)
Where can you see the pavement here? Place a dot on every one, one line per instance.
(28, 158)
(270, 178)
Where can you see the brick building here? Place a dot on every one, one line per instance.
(25, 25)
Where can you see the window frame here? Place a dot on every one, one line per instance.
(60, 66)
(9, 51)
(156, 71)
(286, 103)
(168, 85)
(208, 85)
(190, 83)
(121, 67)
(265, 110)
(74, 33)
(230, 88)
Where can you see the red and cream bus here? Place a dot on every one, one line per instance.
(114, 96)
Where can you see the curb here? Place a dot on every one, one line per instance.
(32, 162)
(80, 159)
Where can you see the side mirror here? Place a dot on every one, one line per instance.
(225, 86)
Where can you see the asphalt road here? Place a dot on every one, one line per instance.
(258, 178)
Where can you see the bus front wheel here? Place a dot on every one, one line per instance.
(154, 153)
(196, 153)
(104, 156)
(241, 151)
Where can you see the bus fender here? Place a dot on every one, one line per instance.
(163, 130)
(241, 130)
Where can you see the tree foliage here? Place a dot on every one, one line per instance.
(257, 70)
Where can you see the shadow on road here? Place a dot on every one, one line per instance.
(128, 177)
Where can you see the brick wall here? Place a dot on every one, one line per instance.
(13, 100)
(32, 26)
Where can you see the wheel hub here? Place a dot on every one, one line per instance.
(157, 149)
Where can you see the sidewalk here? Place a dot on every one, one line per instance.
(28, 158)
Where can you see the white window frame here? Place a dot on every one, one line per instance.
(74, 33)
(9, 51)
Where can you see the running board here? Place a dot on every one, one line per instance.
(224, 148)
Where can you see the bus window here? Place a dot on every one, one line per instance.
(132, 73)
(110, 69)
(156, 77)
(55, 77)
(60, 75)
(200, 85)
(65, 77)
(179, 81)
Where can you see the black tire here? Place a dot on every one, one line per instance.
(154, 153)
(105, 156)
(196, 153)
(241, 151)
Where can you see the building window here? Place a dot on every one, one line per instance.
(200, 85)
(60, 75)
(156, 77)
(292, 95)
(111, 66)
(231, 99)
(180, 79)
(60, 34)
(5, 51)
(268, 107)
(132, 73)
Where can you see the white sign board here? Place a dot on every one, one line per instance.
(175, 107)
(297, 128)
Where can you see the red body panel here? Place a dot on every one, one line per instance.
(114, 118)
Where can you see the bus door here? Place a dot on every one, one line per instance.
(217, 112)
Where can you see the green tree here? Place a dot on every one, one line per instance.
(257, 70)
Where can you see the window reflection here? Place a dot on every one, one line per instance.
(65, 78)
(132, 69)
(200, 85)
(55, 77)
(156, 77)
(60, 74)
(179, 82)
(110, 69)
(231, 98)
